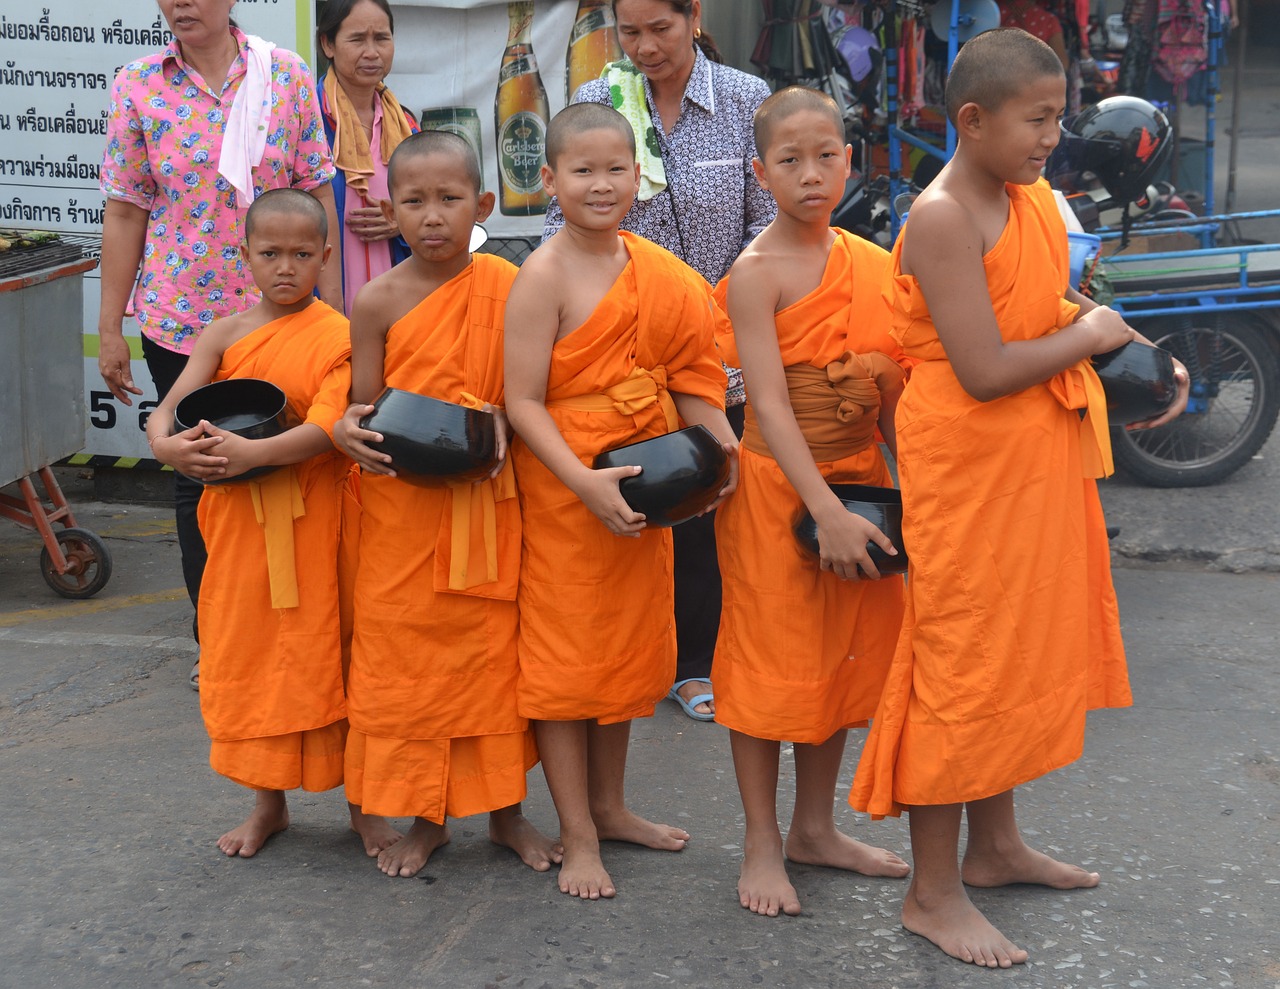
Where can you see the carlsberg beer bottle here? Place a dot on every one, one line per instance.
(521, 112)
(592, 43)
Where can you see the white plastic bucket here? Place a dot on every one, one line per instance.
(1081, 247)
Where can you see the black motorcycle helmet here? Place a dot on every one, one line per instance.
(1122, 140)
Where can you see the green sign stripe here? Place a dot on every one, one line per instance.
(92, 343)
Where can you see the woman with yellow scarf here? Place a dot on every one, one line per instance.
(364, 123)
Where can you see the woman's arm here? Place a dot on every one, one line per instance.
(124, 227)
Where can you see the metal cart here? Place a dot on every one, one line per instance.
(42, 408)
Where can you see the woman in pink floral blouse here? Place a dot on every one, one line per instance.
(194, 133)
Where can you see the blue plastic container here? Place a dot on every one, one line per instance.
(1081, 247)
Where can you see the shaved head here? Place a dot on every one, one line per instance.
(292, 202)
(994, 66)
(792, 100)
(435, 142)
(577, 119)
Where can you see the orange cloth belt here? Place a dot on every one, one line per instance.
(635, 393)
(1079, 387)
(476, 532)
(277, 501)
(836, 406)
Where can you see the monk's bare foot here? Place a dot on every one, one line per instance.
(376, 832)
(409, 854)
(1022, 864)
(582, 872)
(511, 829)
(763, 886)
(270, 816)
(956, 926)
(624, 825)
(838, 851)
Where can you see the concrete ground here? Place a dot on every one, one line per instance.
(111, 878)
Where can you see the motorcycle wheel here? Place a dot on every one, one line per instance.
(1234, 402)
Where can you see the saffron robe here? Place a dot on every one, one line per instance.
(1011, 632)
(271, 669)
(801, 653)
(597, 627)
(432, 684)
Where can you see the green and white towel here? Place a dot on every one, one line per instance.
(626, 92)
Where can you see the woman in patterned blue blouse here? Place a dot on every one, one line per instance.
(700, 200)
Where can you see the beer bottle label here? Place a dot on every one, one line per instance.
(521, 65)
(594, 20)
(521, 144)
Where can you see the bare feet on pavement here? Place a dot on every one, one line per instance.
(270, 816)
(407, 856)
(376, 832)
(763, 886)
(1023, 865)
(956, 926)
(511, 829)
(627, 826)
(838, 851)
(582, 872)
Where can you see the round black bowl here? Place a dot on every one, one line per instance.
(248, 407)
(682, 474)
(882, 507)
(1138, 380)
(431, 441)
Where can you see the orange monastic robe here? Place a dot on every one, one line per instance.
(597, 629)
(802, 653)
(270, 657)
(432, 689)
(1012, 631)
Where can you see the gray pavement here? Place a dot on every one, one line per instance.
(111, 878)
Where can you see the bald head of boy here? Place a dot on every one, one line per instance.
(578, 118)
(434, 142)
(786, 103)
(996, 65)
(286, 202)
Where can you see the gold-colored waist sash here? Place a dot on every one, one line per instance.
(836, 407)
(474, 522)
(1079, 387)
(277, 502)
(635, 393)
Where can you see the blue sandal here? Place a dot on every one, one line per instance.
(689, 705)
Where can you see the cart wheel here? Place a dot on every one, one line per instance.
(88, 564)
(1235, 399)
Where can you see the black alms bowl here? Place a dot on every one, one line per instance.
(1138, 380)
(248, 407)
(682, 474)
(432, 441)
(882, 507)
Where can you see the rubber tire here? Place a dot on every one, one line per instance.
(87, 555)
(1248, 334)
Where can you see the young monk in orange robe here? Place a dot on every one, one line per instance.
(1011, 632)
(432, 698)
(609, 341)
(271, 671)
(804, 645)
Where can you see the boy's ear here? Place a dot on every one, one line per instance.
(548, 180)
(324, 257)
(484, 206)
(388, 210)
(969, 119)
(848, 160)
(757, 167)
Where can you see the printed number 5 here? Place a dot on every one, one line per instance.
(102, 403)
